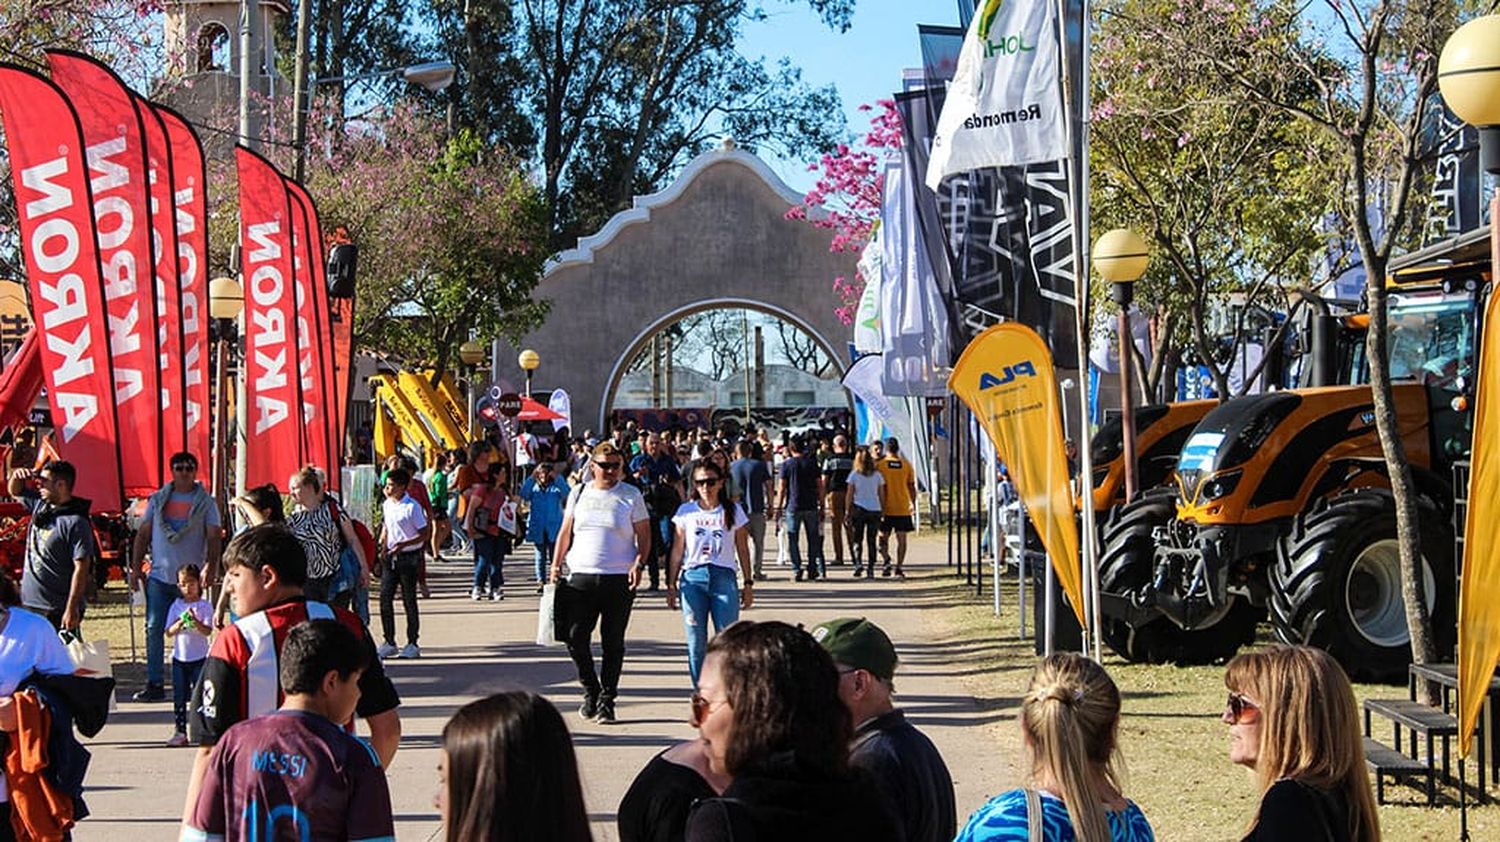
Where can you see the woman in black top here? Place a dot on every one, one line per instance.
(655, 808)
(769, 713)
(1292, 718)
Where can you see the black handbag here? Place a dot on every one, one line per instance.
(563, 600)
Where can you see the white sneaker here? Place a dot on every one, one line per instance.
(476, 595)
(497, 594)
(411, 650)
(387, 650)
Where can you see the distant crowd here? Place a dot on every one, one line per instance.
(799, 737)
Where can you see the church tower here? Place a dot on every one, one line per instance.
(202, 41)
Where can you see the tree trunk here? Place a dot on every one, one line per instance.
(1418, 623)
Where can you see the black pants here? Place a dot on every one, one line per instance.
(403, 567)
(605, 600)
(864, 526)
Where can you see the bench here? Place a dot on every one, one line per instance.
(1432, 724)
(1385, 761)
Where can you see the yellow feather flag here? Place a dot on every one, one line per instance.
(384, 434)
(1006, 379)
(1479, 586)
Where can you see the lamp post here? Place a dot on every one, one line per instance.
(1469, 77)
(433, 76)
(472, 354)
(225, 301)
(1120, 257)
(529, 360)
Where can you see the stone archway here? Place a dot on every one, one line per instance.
(718, 236)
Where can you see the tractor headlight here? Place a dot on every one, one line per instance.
(1221, 485)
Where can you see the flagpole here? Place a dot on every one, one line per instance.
(1077, 198)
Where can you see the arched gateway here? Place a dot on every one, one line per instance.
(718, 236)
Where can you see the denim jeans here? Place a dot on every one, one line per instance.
(543, 560)
(184, 676)
(808, 521)
(489, 570)
(707, 591)
(159, 597)
(401, 569)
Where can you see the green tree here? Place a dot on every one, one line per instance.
(1373, 66)
(452, 236)
(623, 92)
(1230, 191)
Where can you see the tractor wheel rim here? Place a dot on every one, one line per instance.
(1372, 594)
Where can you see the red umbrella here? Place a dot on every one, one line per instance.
(533, 411)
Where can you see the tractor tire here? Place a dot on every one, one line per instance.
(1126, 565)
(1336, 585)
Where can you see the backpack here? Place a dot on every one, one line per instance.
(361, 531)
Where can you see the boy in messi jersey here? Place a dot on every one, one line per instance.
(265, 568)
(296, 773)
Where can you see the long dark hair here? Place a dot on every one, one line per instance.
(512, 773)
(713, 467)
(783, 689)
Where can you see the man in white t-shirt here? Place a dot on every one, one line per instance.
(404, 531)
(604, 538)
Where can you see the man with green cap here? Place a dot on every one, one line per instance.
(906, 765)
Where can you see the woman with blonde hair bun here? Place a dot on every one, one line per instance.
(1070, 721)
(1292, 719)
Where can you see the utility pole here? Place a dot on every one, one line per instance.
(246, 46)
(300, 98)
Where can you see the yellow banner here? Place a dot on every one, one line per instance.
(413, 431)
(385, 434)
(1479, 587)
(1006, 379)
(426, 401)
(453, 402)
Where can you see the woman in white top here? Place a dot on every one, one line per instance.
(867, 500)
(711, 538)
(604, 538)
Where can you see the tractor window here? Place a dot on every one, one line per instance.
(1431, 338)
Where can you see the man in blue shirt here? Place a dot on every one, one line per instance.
(754, 480)
(655, 473)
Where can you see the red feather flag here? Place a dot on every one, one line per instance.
(55, 211)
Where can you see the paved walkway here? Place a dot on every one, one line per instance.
(470, 649)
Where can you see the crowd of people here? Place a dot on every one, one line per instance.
(799, 734)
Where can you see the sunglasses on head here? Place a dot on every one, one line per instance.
(1237, 704)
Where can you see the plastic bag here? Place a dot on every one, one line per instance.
(90, 658)
(546, 617)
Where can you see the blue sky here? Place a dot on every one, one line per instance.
(865, 63)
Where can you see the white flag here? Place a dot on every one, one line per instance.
(863, 379)
(913, 319)
(1004, 106)
(562, 405)
(867, 315)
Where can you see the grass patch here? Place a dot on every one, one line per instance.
(1175, 747)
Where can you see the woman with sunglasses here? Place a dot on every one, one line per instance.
(768, 712)
(1070, 722)
(1293, 720)
(701, 565)
(604, 539)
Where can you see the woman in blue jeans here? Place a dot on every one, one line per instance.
(701, 568)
